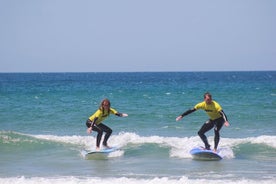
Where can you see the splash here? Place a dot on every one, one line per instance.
(178, 147)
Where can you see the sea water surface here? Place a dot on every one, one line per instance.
(43, 132)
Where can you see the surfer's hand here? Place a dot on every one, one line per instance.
(226, 123)
(124, 115)
(89, 130)
(178, 118)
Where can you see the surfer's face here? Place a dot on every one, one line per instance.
(105, 105)
(208, 99)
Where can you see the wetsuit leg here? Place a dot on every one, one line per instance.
(218, 124)
(98, 129)
(205, 128)
(107, 134)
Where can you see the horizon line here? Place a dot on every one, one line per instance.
(137, 71)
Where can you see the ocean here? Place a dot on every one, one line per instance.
(43, 131)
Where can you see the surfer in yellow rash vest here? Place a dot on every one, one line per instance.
(217, 119)
(94, 122)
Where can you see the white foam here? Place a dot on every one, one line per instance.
(163, 180)
(263, 139)
(179, 146)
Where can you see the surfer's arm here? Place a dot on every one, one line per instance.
(185, 114)
(226, 123)
(89, 130)
(113, 111)
(121, 114)
(94, 121)
(223, 115)
(188, 112)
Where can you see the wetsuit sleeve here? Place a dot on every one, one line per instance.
(188, 112)
(113, 111)
(119, 114)
(94, 121)
(223, 115)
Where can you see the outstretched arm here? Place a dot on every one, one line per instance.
(121, 114)
(185, 113)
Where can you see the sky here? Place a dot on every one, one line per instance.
(137, 36)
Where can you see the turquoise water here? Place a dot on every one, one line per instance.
(43, 132)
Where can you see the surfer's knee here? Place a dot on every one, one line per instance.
(200, 133)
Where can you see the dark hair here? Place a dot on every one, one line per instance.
(207, 94)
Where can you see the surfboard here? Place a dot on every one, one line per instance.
(202, 154)
(98, 154)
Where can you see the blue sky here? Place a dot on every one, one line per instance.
(141, 35)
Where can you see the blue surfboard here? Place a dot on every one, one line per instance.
(202, 154)
(98, 154)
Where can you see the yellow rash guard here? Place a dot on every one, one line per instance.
(212, 110)
(100, 115)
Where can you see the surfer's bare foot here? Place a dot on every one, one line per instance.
(98, 149)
